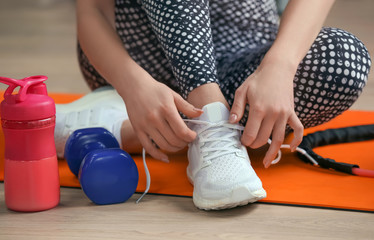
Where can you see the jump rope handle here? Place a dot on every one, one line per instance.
(335, 136)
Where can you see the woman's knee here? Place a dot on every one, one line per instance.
(345, 61)
(337, 65)
(331, 76)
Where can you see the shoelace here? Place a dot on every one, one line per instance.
(148, 176)
(219, 150)
(300, 150)
(207, 133)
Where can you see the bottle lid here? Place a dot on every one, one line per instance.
(30, 103)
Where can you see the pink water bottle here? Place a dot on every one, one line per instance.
(31, 180)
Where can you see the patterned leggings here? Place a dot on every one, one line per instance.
(187, 43)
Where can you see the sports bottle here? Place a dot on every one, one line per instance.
(31, 181)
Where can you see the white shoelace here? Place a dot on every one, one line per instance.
(300, 150)
(206, 134)
(148, 176)
(219, 150)
(209, 133)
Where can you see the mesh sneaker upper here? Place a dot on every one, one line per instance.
(101, 108)
(218, 162)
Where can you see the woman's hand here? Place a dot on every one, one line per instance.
(269, 90)
(269, 93)
(153, 111)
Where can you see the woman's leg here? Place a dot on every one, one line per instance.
(91, 76)
(327, 82)
(184, 32)
(331, 76)
(165, 60)
(242, 31)
(135, 31)
(219, 165)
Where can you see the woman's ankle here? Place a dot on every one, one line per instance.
(205, 94)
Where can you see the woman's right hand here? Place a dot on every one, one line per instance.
(153, 112)
(152, 106)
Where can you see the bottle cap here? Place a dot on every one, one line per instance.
(30, 103)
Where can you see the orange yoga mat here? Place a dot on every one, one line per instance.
(291, 181)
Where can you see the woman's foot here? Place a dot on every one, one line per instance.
(219, 166)
(100, 108)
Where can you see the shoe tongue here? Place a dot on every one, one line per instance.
(215, 112)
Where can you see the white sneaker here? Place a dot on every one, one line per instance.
(100, 108)
(219, 166)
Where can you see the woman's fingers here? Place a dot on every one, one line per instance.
(179, 127)
(254, 121)
(181, 130)
(171, 137)
(260, 127)
(278, 135)
(150, 148)
(161, 141)
(185, 107)
(298, 130)
(276, 141)
(264, 132)
(238, 107)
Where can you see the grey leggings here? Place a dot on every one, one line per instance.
(188, 43)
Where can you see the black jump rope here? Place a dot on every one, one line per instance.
(335, 136)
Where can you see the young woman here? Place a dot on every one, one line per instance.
(222, 63)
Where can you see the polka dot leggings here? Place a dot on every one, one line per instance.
(188, 43)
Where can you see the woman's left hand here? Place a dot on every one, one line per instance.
(269, 93)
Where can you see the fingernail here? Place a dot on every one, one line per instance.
(265, 165)
(233, 118)
(165, 159)
(198, 110)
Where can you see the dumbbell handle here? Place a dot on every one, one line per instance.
(83, 141)
(88, 147)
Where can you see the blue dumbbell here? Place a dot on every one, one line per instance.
(106, 173)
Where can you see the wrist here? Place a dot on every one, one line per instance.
(280, 59)
(132, 78)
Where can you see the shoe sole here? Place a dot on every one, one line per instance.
(239, 197)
